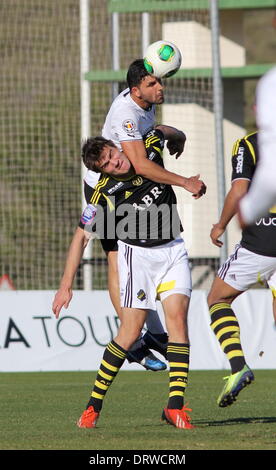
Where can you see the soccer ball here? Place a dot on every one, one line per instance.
(162, 59)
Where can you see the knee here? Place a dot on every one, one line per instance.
(177, 317)
(211, 299)
(127, 336)
(215, 297)
(177, 326)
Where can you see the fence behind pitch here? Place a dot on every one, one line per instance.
(40, 130)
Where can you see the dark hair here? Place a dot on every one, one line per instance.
(136, 73)
(91, 151)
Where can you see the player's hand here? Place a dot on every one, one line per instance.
(196, 186)
(176, 144)
(62, 299)
(215, 233)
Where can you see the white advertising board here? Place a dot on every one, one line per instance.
(31, 339)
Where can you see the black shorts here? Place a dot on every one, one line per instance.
(107, 245)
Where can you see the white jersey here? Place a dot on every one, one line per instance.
(262, 193)
(125, 121)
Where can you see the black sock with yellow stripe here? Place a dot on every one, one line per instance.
(112, 361)
(178, 357)
(227, 330)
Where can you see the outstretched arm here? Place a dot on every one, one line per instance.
(136, 152)
(75, 253)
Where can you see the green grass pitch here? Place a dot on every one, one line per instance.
(39, 411)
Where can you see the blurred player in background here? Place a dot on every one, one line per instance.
(131, 115)
(272, 286)
(262, 193)
(254, 260)
(154, 265)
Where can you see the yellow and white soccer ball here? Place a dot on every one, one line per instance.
(162, 59)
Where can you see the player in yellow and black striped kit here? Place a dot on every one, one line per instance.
(254, 260)
(141, 195)
(150, 267)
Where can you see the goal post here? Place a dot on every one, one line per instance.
(85, 106)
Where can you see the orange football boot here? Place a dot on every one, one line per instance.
(178, 418)
(88, 418)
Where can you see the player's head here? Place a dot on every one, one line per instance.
(136, 73)
(145, 89)
(102, 156)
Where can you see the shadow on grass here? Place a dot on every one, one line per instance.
(233, 421)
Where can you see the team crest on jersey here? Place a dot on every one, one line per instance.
(129, 126)
(137, 181)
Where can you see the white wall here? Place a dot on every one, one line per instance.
(198, 216)
(31, 339)
(194, 42)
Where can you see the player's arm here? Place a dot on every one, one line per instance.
(136, 152)
(238, 189)
(91, 221)
(175, 139)
(74, 256)
(242, 171)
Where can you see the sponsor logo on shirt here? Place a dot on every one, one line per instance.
(239, 166)
(88, 214)
(114, 188)
(148, 199)
(127, 194)
(266, 221)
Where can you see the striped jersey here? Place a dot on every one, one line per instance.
(259, 237)
(135, 210)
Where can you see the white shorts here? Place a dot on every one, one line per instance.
(148, 274)
(244, 268)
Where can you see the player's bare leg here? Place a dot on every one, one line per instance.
(113, 282)
(221, 292)
(176, 316)
(132, 321)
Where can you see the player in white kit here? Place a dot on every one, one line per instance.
(262, 194)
